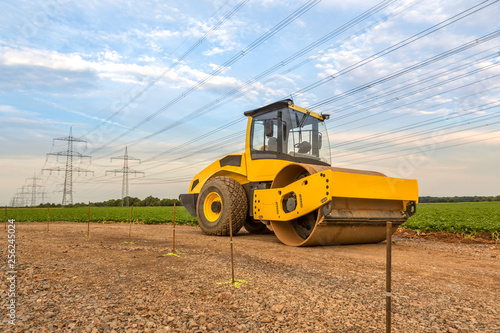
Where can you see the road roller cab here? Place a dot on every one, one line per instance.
(286, 132)
(283, 182)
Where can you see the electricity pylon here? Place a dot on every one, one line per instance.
(69, 168)
(125, 170)
(20, 199)
(35, 193)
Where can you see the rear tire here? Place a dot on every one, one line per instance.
(256, 227)
(221, 199)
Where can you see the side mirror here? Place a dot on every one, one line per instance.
(268, 128)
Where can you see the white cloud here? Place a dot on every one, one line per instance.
(427, 12)
(110, 55)
(147, 58)
(223, 69)
(107, 67)
(10, 111)
(21, 121)
(156, 34)
(215, 50)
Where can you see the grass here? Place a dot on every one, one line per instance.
(146, 215)
(466, 218)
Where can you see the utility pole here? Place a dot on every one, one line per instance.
(70, 154)
(125, 170)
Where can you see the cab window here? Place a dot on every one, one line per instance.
(264, 141)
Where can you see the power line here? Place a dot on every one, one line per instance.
(421, 80)
(177, 61)
(424, 78)
(418, 91)
(239, 91)
(249, 48)
(426, 62)
(217, 142)
(406, 151)
(407, 41)
(407, 138)
(413, 125)
(411, 68)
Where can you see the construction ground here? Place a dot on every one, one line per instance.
(67, 281)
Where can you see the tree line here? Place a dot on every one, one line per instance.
(149, 201)
(476, 198)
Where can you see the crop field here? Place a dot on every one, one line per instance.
(465, 218)
(146, 215)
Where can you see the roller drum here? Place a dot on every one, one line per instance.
(339, 221)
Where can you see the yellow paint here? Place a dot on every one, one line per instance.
(263, 170)
(214, 170)
(303, 110)
(236, 283)
(177, 254)
(211, 198)
(314, 191)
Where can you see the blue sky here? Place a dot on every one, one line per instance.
(148, 75)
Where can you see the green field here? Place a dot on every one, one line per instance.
(147, 215)
(464, 217)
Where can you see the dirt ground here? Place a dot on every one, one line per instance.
(68, 282)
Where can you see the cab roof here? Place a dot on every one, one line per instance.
(280, 105)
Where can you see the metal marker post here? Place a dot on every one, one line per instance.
(231, 241)
(88, 221)
(130, 228)
(5, 224)
(48, 216)
(388, 295)
(173, 232)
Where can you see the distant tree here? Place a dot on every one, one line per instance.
(429, 199)
(169, 202)
(166, 202)
(150, 201)
(134, 201)
(113, 203)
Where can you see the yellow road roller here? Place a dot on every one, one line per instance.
(284, 183)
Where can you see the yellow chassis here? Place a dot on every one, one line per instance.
(316, 190)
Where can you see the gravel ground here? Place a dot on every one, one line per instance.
(68, 282)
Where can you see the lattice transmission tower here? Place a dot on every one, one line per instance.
(37, 195)
(69, 169)
(20, 199)
(126, 171)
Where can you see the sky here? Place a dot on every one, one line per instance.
(412, 89)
